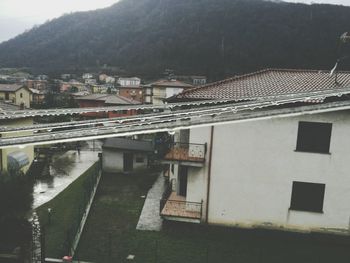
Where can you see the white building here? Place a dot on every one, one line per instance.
(129, 82)
(155, 93)
(110, 80)
(284, 166)
(125, 155)
(87, 76)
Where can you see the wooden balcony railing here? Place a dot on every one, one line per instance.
(177, 206)
(186, 152)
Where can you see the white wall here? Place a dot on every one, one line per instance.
(141, 165)
(197, 177)
(112, 161)
(254, 165)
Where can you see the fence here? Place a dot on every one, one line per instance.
(76, 228)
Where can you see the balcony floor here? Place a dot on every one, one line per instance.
(181, 154)
(178, 209)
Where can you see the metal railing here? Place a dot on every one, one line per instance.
(187, 152)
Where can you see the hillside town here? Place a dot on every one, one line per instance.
(109, 164)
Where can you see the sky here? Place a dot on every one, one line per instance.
(16, 16)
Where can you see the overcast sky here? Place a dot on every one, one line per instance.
(16, 16)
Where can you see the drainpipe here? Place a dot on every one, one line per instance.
(209, 173)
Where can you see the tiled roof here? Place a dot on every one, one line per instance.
(171, 83)
(10, 87)
(269, 82)
(109, 99)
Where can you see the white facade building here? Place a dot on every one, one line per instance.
(129, 82)
(282, 171)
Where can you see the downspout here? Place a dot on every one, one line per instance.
(209, 173)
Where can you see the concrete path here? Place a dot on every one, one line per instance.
(149, 218)
(65, 169)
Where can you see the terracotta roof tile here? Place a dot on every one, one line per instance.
(269, 82)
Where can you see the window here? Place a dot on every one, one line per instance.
(139, 159)
(314, 137)
(21, 95)
(307, 197)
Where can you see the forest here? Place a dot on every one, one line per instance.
(216, 38)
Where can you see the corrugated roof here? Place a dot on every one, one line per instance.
(120, 100)
(109, 99)
(8, 106)
(128, 144)
(269, 82)
(10, 87)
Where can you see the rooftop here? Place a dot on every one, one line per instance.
(128, 144)
(4, 106)
(10, 87)
(109, 99)
(268, 82)
(171, 83)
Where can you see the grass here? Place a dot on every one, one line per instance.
(110, 235)
(66, 208)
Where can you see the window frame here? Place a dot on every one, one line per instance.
(138, 158)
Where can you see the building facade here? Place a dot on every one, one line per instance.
(282, 170)
(17, 94)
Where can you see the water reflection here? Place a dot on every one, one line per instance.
(58, 173)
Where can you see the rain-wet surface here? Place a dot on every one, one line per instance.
(64, 169)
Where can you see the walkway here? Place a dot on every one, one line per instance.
(149, 218)
(65, 169)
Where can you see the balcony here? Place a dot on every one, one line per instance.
(176, 208)
(186, 153)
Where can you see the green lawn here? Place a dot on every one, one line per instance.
(66, 214)
(110, 235)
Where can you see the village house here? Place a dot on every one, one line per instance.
(36, 84)
(105, 100)
(281, 163)
(106, 79)
(37, 96)
(103, 89)
(131, 88)
(126, 155)
(87, 76)
(16, 94)
(195, 80)
(72, 86)
(90, 81)
(156, 92)
(14, 157)
(66, 76)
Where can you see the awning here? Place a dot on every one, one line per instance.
(17, 160)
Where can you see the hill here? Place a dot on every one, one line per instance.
(212, 37)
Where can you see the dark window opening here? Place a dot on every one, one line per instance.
(307, 197)
(139, 159)
(21, 95)
(314, 137)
